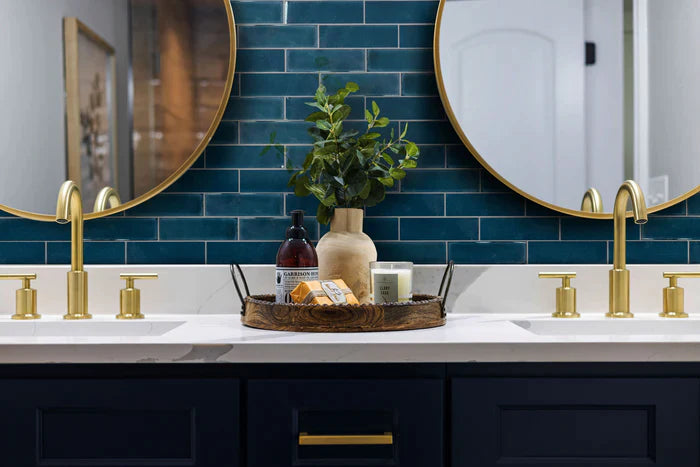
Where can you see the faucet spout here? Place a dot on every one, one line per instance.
(619, 274)
(69, 208)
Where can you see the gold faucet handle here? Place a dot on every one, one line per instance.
(130, 297)
(566, 295)
(25, 298)
(674, 295)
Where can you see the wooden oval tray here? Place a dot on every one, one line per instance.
(262, 312)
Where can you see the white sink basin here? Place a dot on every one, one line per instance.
(618, 327)
(86, 328)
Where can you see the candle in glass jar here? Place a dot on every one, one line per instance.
(391, 282)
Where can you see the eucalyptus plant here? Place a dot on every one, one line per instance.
(347, 169)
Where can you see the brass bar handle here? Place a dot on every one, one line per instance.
(25, 298)
(306, 439)
(674, 296)
(565, 295)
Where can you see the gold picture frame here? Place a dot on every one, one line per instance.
(226, 4)
(91, 109)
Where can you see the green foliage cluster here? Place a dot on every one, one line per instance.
(347, 169)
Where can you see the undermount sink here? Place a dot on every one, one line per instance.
(86, 328)
(619, 327)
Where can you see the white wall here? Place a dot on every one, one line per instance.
(32, 110)
(674, 100)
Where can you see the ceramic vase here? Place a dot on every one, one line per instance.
(346, 251)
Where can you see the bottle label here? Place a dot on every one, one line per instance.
(286, 279)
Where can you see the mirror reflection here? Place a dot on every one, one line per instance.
(108, 93)
(562, 96)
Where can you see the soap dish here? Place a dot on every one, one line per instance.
(261, 312)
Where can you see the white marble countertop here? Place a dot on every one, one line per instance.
(465, 338)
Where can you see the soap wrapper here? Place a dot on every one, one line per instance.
(328, 292)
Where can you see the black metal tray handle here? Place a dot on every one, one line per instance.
(446, 283)
(236, 269)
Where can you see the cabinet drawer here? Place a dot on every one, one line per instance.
(126, 423)
(345, 422)
(568, 421)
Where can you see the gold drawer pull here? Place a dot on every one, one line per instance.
(306, 439)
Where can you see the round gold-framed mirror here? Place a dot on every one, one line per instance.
(129, 92)
(563, 100)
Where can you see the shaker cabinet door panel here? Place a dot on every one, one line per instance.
(349, 423)
(577, 422)
(124, 422)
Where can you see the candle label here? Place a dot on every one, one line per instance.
(386, 288)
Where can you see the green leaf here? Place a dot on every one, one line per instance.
(365, 190)
(375, 108)
(398, 174)
(403, 133)
(382, 122)
(329, 200)
(316, 116)
(320, 95)
(341, 112)
(376, 194)
(301, 188)
(409, 164)
(356, 179)
(324, 214)
(352, 87)
(411, 149)
(386, 181)
(324, 125)
(368, 116)
(370, 136)
(387, 158)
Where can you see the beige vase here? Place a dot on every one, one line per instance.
(345, 252)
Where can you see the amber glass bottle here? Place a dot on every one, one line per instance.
(296, 259)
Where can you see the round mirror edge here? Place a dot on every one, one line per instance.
(185, 166)
(472, 150)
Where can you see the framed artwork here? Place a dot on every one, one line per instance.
(91, 123)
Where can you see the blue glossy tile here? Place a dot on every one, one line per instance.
(577, 228)
(255, 108)
(170, 205)
(262, 228)
(259, 60)
(226, 133)
(265, 37)
(432, 133)
(400, 204)
(245, 204)
(22, 253)
(439, 229)
(296, 155)
(277, 132)
(459, 157)
(400, 12)
(537, 210)
(265, 181)
(694, 250)
(298, 110)
(514, 228)
(358, 36)
(411, 108)
(121, 228)
(694, 205)
(94, 252)
(567, 252)
(308, 204)
(278, 84)
(485, 204)
(326, 60)
(487, 252)
(400, 60)
(672, 228)
(490, 184)
(646, 252)
(234, 157)
(441, 180)
(416, 252)
(431, 157)
(416, 36)
(199, 163)
(242, 252)
(679, 209)
(325, 12)
(202, 228)
(418, 84)
(165, 253)
(206, 181)
(380, 228)
(13, 228)
(371, 84)
(257, 12)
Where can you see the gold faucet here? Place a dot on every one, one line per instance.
(69, 208)
(592, 201)
(106, 196)
(619, 274)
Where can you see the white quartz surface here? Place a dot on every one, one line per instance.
(497, 314)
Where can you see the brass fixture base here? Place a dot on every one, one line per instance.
(566, 315)
(619, 294)
(619, 314)
(77, 296)
(668, 314)
(130, 316)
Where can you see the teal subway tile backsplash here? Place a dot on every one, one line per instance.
(233, 205)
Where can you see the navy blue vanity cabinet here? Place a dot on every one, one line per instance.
(575, 422)
(410, 410)
(119, 422)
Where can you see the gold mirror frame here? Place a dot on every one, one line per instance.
(455, 124)
(190, 160)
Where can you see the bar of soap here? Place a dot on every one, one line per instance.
(330, 292)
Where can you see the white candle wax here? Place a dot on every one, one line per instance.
(391, 285)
